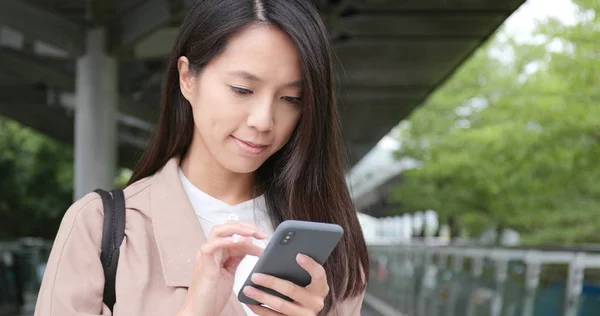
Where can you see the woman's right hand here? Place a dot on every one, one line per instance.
(216, 263)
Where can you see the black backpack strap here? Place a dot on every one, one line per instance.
(112, 237)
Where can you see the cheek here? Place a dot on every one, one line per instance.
(214, 112)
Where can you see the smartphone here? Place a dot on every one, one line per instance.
(314, 239)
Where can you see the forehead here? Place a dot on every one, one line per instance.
(263, 50)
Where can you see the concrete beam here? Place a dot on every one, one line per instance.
(363, 126)
(38, 24)
(58, 73)
(131, 113)
(418, 25)
(156, 45)
(30, 110)
(433, 5)
(355, 151)
(371, 122)
(150, 17)
(350, 96)
(32, 69)
(399, 63)
(27, 105)
(60, 127)
(99, 10)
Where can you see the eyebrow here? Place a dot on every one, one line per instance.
(248, 76)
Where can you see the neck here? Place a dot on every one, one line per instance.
(209, 176)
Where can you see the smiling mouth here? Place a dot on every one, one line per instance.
(249, 147)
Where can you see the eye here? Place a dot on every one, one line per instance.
(294, 100)
(241, 91)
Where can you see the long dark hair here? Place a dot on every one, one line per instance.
(305, 179)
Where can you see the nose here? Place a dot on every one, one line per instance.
(261, 116)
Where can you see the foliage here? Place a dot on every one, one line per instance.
(515, 141)
(35, 183)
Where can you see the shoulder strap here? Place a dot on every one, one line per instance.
(112, 237)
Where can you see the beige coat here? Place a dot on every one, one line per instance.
(162, 237)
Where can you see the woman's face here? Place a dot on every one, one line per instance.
(246, 101)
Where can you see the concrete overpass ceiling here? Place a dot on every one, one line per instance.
(390, 55)
(397, 52)
(37, 107)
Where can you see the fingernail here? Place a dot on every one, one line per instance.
(301, 258)
(258, 277)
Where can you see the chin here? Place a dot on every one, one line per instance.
(242, 167)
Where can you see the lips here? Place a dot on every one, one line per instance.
(253, 144)
(249, 147)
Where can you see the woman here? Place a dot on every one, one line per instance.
(248, 136)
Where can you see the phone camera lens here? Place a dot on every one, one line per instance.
(287, 238)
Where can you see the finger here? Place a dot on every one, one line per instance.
(276, 303)
(299, 294)
(230, 243)
(242, 249)
(318, 283)
(230, 229)
(263, 311)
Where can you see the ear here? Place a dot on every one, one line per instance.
(186, 79)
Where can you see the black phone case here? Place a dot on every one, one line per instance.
(316, 240)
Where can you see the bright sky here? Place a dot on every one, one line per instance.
(523, 21)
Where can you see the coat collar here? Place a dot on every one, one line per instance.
(177, 231)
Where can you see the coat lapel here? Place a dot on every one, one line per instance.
(178, 232)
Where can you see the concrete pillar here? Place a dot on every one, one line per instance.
(96, 106)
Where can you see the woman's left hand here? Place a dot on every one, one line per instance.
(308, 301)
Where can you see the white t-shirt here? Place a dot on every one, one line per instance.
(211, 211)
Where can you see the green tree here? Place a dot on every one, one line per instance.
(515, 142)
(35, 183)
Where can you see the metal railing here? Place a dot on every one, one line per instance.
(432, 279)
(21, 267)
